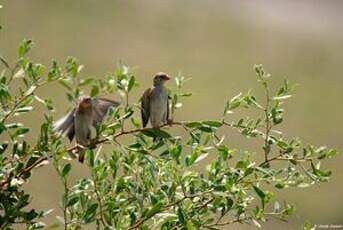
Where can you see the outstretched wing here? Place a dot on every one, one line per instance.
(145, 107)
(65, 125)
(101, 107)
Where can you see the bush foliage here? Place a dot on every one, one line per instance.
(142, 184)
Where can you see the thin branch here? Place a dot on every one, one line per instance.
(281, 158)
(268, 124)
(98, 197)
(125, 109)
(21, 100)
(75, 149)
(206, 203)
(238, 220)
(23, 171)
(65, 211)
(12, 70)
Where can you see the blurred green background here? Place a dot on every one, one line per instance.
(215, 43)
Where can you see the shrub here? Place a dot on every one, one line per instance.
(143, 184)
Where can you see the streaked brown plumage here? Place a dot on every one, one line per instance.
(154, 102)
(79, 121)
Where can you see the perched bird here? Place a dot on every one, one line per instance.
(79, 121)
(154, 103)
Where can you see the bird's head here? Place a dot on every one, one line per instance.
(85, 103)
(160, 78)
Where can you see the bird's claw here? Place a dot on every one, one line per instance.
(78, 148)
(92, 144)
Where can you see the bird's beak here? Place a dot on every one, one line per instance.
(166, 77)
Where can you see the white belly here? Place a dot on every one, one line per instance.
(82, 129)
(158, 109)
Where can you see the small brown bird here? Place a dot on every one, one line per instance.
(154, 103)
(79, 121)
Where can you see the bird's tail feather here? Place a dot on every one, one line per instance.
(81, 157)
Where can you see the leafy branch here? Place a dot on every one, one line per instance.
(141, 184)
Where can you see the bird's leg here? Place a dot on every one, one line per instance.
(79, 147)
(170, 121)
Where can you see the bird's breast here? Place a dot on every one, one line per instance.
(159, 99)
(158, 106)
(83, 122)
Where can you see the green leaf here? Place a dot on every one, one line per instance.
(193, 125)
(121, 184)
(175, 151)
(66, 169)
(320, 173)
(127, 115)
(21, 132)
(207, 129)
(155, 209)
(234, 103)
(131, 83)
(260, 194)
(229, 203)
(24, 109)
(90, 213)
(196, 156)
(86, 81)
(280, 185)
(216, 124)
(190, 225)
(201, 157)
(24, 47)
(223, 151)
(135, 122)
(46, 102)
(54, 72)
(94, 91)
(3, 148)
(156, 133)
(73, 200)
(2, 127)
(90, 157)
(66, 83)
(181, 216)
(279, 98)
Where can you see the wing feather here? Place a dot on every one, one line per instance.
(71, 133)
(65, 125)
(101, 107)
(145, 107)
